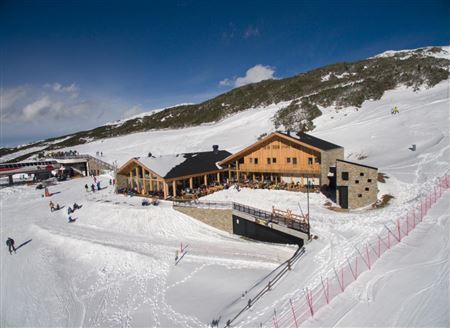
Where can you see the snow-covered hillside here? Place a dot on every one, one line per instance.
(115, 265)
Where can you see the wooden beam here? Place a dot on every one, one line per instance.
(205, 179)
(191, 183)
(166, 190)
(174, 187)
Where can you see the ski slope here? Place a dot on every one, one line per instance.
(115, 265)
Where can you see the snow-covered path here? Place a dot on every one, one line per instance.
(115, 265)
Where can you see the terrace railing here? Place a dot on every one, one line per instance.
(286, 219)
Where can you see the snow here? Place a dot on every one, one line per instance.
(19, 153)
(115, 265)
(406, 53)
(232, 134)
(162, 165)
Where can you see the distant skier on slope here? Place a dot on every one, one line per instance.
(71, 220)
(86, 187)
(52, 206)
(10, 243)
(395, 111)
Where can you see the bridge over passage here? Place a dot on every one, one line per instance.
(276, 226)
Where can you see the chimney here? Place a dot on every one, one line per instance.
(216, 149)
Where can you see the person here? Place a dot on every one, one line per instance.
(71, 220)
(98, 185)
(52, 206)
(76, 206)
(86, 187)
(57, 208)
(69, 210)
(10, 243)
(110, 181)
(92, 187)
(95, 179)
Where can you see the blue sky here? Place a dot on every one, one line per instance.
(72, 65)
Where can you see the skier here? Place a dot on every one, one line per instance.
(95, 179)
(98, 185)
(71, 220)
(69, 210)
(86, 187)
(92, 187)
(110, 181)
(52, 206)
(76, 206)
(10, 244)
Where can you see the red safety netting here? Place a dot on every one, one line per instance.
(305, 305)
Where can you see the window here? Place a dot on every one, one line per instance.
(361, 174)
(294, 160)
(367, 188)
(369, 180)
(241, 160)
(275, 146)
(255, 161)
(317, 160)
(356, 181)
(359, 195)
(268, 160)
(310, 160)
(274, 160)
(344, 176)
(288, 160)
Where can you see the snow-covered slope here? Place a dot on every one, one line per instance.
(115, 265)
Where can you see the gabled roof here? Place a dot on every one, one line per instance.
(312, 141)
(353, 163)
(173, 166)
(302, 139)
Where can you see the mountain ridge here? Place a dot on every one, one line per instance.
(344, 84)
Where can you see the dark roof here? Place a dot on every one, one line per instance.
(197, 163)
(312, 141)
(353, 163)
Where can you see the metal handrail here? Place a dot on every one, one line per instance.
(270, 217)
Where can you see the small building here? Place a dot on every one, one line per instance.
(282, 157)
(356, 184)
(168, 175)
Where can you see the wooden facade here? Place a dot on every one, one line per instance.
(136, 177)
(278, 158)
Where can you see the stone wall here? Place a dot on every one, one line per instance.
(328, 158)
(361, 183)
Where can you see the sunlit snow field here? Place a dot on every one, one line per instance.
(115, 265)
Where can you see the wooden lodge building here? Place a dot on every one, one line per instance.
(167, 175)
(277, 158)
(281, 157)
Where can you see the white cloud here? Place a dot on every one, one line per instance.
(36, 108)
(251, 31)
(71, 89)
(132, 111)
(254, 74)
(226, 82)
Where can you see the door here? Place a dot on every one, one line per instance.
(343, 196)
